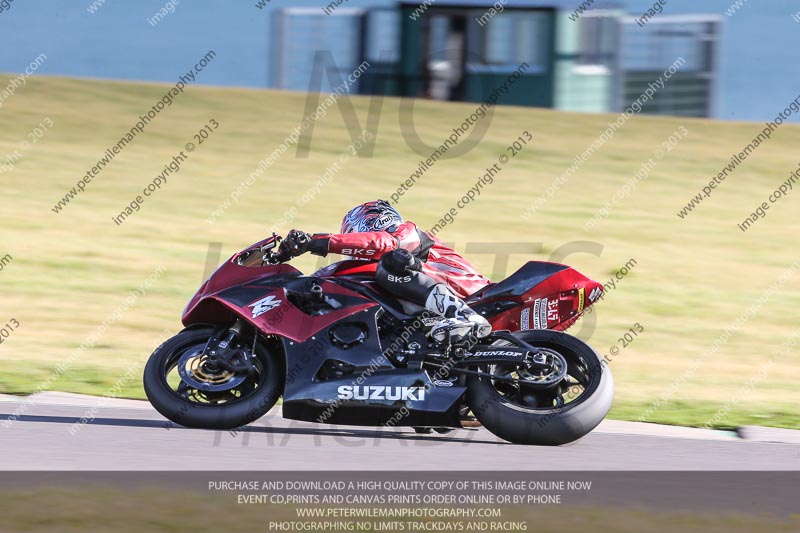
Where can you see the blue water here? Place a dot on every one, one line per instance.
(759, 54)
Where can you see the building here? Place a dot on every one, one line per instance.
(598, 60)
(271, 45)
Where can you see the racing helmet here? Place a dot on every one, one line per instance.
(378, 215)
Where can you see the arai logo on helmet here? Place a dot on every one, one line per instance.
(385, 221)
(380, 392)
(264, 305)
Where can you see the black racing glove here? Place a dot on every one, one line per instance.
(296, 243)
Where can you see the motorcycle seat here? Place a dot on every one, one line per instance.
(525, 278)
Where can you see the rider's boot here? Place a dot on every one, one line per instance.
(457, 318)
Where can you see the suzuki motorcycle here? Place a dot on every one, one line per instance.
(340, 350)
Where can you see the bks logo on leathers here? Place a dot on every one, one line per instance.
(355, 252)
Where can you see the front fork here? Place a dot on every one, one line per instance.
(228, 353)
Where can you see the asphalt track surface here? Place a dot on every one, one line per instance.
(47, 434)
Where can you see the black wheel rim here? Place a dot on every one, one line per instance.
(216, 388)
(577, 385)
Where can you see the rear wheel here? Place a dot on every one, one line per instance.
(547, 408)
(185, 388)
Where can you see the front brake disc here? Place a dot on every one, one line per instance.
(194, 372)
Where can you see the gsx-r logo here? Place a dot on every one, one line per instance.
(264, 305)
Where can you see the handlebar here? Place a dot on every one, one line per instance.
(282, 254)
(273, 250)
(274, 258)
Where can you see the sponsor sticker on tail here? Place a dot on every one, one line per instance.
(525, 319)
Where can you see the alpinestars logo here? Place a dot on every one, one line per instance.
(264, 305)
(439, 295)
(379, 392)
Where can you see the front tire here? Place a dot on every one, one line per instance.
(245, 402)
(528, 417)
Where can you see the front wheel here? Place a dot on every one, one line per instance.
(544, 408)
(185, 388)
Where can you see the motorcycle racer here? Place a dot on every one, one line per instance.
(412, 265)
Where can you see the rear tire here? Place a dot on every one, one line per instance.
(251, 406)
(547, 426)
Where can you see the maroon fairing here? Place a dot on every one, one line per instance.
(555, 302)
(548, 296)
(348, 268)
(213, 305)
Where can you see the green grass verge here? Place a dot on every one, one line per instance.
(694, 277)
